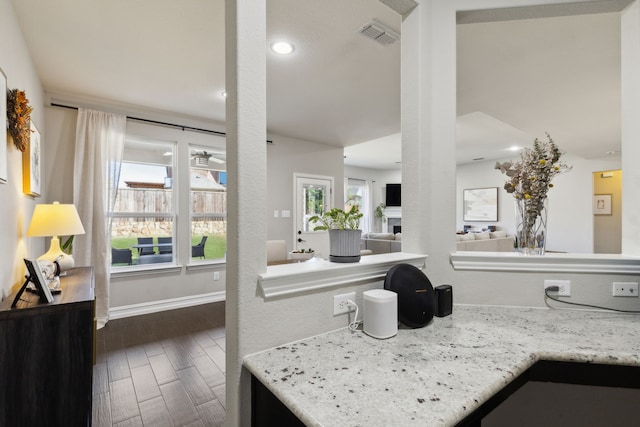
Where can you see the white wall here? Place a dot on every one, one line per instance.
(285, 157)
(429, 111)
(17, 208)
(570, 216)
(148, 288)
(378, 178)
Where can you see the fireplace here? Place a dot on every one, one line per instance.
(394, 225)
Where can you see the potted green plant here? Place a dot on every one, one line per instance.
(344, 233)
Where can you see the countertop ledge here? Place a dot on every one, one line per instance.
(316, 274)
(437, 375)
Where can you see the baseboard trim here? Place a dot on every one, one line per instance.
(164, 305)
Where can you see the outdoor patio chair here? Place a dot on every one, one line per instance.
(121, 256)
(145, 241)
(165, 249)
(198, 250)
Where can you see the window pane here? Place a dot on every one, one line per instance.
(136, 240)
(143, 218)
(208, 203)
(355, 193)
(314, 203)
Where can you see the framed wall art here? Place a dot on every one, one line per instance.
(602, 204)
(4, 173)
(31, 165)
(480, 204)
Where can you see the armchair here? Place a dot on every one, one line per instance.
(198, 250)
(165, 249)
(121, 256)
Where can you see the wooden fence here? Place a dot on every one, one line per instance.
(159, 201)
(209, 209)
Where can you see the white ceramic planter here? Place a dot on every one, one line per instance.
(344, 245)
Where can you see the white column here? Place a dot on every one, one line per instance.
(630, 45)
(428, 132)
(246, 151)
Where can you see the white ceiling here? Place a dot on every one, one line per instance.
(520, 78)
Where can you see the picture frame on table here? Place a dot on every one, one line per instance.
(36, 278)
(480, 204)
(4, 172)
(602, 204)
(31, 164)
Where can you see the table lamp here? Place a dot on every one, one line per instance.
(56, 220)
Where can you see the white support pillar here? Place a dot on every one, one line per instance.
(247, 165)
(428, 132)
(630, 45)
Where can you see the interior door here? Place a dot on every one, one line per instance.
(313, 195)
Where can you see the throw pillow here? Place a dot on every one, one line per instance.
(468, 236)
(482, 236)
(498, 234)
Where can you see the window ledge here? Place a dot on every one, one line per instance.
(207, 265)
(146, 270)
(549, 262)
(317, 274)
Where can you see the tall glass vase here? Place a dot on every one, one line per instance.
(531, 226)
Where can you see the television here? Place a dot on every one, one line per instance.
(394, 195)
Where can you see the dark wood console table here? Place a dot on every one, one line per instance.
(47, 355)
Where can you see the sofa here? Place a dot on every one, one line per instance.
(381, 243)
(488, 241)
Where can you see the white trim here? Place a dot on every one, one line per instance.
(164, 305)
(318, 274)
(145, 269)
(549, 262)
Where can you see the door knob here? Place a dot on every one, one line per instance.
(301, 240)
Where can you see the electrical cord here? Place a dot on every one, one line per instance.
(354, 324)
(555, 289)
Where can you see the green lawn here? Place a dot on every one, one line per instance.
(215, 247)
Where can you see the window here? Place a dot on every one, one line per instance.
(143, 218)
(357, 194)
(208, 178)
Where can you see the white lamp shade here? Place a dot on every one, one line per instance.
(55, 220)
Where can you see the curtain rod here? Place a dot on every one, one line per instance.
(156, 122)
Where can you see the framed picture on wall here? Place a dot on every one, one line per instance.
(480, 204)
(602, 204)
(31, 165)
(4, 173)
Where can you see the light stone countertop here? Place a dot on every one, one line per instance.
(439, 374)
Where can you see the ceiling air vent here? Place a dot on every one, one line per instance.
(379, 33)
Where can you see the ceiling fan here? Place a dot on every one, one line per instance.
(202, 158)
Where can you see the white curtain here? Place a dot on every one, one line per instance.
(368, 205)
(98, 155)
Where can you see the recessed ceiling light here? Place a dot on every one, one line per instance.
(283, 48)
(514, 148)
(223, 93)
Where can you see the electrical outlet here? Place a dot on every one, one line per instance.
(564, 287)
(216, 275)
(625, 289)
(340, 304)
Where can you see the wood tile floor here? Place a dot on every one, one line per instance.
(161, 369)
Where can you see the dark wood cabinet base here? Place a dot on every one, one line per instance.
(46, 356)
